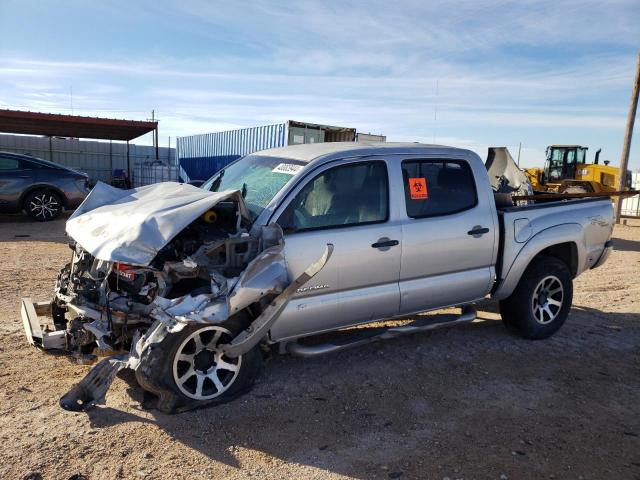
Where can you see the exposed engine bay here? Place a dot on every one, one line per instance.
(108, 300)
(148, 262)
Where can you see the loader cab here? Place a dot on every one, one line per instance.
(562, 161)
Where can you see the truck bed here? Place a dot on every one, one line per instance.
(579, 229)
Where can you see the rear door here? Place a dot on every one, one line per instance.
(347, 205)
(448, 234)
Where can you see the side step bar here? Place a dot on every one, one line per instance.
(364, 336)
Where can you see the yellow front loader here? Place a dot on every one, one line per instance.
(567, 171)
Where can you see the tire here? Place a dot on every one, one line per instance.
(540, 304)
(43, 205)
(186, 376)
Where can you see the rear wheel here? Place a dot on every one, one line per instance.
(43, 205)
(540, 304)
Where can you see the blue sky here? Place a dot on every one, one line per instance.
(463, 73)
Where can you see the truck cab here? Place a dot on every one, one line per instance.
(411, 231)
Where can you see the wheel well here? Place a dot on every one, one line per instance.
(46, 188)
(566, 252)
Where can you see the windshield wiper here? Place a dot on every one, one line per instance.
(216, 183)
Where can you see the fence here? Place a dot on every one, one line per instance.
(97, 159)
(631, 205)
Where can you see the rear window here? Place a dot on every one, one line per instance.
(437, 187)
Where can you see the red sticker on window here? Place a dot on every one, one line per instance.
(418, 189)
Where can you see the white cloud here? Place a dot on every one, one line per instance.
(504, 70)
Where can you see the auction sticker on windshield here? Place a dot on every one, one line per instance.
(288, 168)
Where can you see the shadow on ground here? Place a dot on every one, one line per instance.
(624, 245)
(382, 400)
(20, 227)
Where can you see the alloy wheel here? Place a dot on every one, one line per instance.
(547, 299)
(200, 370)
(44, 205)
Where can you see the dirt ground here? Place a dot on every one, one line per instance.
(467, 402)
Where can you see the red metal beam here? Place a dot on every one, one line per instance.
(35, 123)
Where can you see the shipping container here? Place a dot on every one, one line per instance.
(200, 156)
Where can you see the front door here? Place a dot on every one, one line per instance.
(347, 206)
(15, 176)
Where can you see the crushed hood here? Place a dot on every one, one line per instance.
(131, 226)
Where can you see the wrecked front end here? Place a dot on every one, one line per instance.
(145, 264)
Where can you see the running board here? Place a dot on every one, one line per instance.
(364, 336)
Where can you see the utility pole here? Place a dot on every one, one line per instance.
(155, 135)
(624, 158)
(153, 119)
(519, 148)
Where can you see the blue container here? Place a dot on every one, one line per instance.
(200, 156)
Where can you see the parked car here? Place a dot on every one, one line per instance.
(289, 243)
(38, 187)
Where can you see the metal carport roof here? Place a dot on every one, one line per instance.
(50, 124)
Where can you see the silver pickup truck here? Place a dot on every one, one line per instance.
(190, 286)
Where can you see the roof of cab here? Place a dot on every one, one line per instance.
(311, 151)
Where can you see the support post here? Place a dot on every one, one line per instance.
(128, 165)
(157, 147)
(50, 148)
(631, 117)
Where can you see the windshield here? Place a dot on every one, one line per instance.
(258, 178)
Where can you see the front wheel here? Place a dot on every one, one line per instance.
(191, 365)
(540, 304)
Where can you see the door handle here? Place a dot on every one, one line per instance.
(385, 243)
(478, 231)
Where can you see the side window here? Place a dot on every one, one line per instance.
(7, 163)
(437, 187)
(342, 196)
